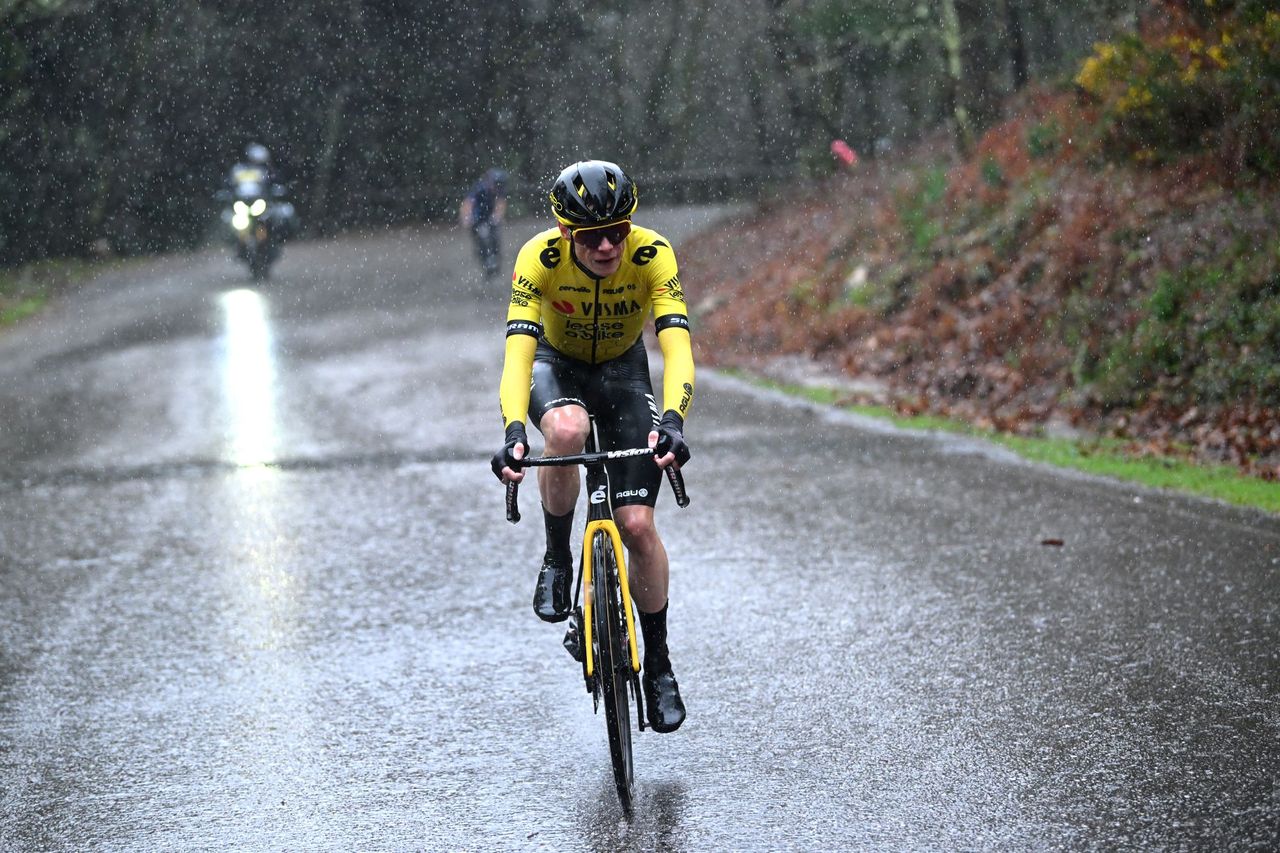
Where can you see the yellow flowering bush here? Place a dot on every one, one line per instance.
(1208, 82)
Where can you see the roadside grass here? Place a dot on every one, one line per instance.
(1106, 457)
(11, 311)
(26, 289)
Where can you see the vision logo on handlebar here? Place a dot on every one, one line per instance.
(627, 454)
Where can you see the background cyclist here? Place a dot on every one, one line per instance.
(482, 210)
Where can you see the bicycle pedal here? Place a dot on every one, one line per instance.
(573, 636)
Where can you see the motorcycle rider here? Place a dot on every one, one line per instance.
(255, 177)
(482, 210)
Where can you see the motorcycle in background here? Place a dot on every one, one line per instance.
(258, 221)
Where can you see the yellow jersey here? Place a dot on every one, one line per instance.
(595, 319)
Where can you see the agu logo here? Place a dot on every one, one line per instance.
(563, 306)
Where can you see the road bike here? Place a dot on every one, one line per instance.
(602, 629)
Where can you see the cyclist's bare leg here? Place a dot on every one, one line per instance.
(564, 430)
(647, 565)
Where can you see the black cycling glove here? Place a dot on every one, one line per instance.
(671, 437)
(503, 458)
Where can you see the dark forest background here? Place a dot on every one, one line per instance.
(119, 118)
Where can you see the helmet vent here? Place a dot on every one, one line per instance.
(592, 192)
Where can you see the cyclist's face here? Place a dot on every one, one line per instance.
(603, 260)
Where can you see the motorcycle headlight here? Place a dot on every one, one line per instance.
(258, 207)
(240, 221)
(240, 208)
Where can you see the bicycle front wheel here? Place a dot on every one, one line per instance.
(613, 669)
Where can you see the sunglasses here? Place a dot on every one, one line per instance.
(594, 236)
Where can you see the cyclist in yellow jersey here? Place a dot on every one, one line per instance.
(580, 296)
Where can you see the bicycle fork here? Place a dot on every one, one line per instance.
(588, 573)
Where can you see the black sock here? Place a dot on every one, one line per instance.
(654, 628)
(559, 529)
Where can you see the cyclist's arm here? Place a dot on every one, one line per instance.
(671, 320)
(524, 327)
(677, 368)
(677, 392)
(517, 368)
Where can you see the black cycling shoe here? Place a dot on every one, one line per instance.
(551, 595)
(662, 699)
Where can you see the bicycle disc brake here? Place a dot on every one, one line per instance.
(573, 636)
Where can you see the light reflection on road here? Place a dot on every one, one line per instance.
(268, 738)
(249, 379)
(262, 550)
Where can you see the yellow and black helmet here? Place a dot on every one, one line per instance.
(592, 192)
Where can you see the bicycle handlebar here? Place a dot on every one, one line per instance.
(673, 474)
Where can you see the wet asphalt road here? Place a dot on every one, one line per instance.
(257, 593)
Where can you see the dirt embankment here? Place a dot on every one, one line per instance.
(1030, 285)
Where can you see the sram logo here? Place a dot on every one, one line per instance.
(599, 496)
